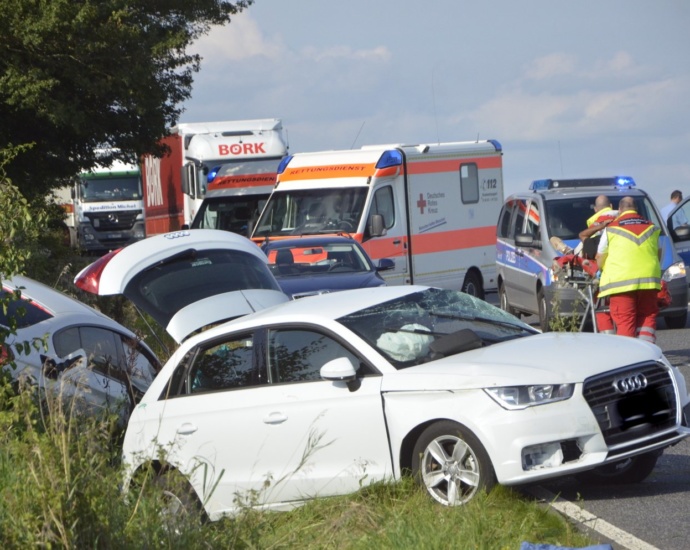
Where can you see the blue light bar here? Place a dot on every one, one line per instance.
(393, 157)
(538, 185)
(625, 181)
(283, 163)
(212, 174)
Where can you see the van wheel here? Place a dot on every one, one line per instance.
(451, 464)
(503, 300)
(544, 311)
(677, 321)
(472, 285)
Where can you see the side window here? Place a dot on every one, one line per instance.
(519, 219)
(532, 225)
(224, 366)
(503, 226)
(383, 204)
(469, 183)
(298, 355)
(101, 348)
(141, 368)
(66, 341)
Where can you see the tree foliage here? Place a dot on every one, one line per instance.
(76, 75)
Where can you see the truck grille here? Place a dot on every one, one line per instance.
(113, 221)
(635, 402)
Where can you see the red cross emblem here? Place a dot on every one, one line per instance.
(421, 203)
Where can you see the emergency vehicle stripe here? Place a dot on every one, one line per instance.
(328, 171)
(259, 180)
(429, 243)
(631, 236)
(426, 167)
(639, 281)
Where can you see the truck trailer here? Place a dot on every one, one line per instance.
(216, 175)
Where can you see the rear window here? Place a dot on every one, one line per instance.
(25, 313)
(191, 276)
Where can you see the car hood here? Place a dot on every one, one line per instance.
(187, 280)
(561, 358)
(304, 284)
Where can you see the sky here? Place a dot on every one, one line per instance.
(585, 88)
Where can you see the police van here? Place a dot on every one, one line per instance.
(525, 250)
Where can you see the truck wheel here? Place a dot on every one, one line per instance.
(630, 470)
(451, 464)
(472, 285)
(503, 300)
(677, 321)
(544, 311)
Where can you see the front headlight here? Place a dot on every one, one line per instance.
(521, 397)
(675, 271)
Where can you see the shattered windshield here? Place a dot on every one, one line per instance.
(412, 329)
(312, 212)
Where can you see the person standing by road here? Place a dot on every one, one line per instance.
(628, 256)
(676, 197)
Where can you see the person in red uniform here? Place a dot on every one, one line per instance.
(628, 256)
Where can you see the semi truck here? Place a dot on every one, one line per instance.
(216, 175)
(104, 207)
(431, 208)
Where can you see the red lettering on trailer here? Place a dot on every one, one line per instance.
(242, 149)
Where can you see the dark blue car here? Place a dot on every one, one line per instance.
(314, 265)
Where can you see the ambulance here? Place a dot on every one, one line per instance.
(430, 208)
(217, 175)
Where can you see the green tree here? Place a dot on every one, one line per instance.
(76, 75)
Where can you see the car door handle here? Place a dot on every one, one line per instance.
(275, 418)
(187, 428)
(396, 241)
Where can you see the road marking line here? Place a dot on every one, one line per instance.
(589, 520)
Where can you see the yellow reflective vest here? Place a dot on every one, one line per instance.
(597, 215)
(633, 256)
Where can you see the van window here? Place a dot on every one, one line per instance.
(383, 204)
(503, 227)
(469, 183)
(533, 220)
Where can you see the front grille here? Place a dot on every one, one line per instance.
(113, 220)
(642, 406)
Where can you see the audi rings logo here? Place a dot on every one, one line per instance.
(630, 383)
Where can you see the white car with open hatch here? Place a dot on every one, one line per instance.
(318, 396)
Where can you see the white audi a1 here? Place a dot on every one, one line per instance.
(322, 395)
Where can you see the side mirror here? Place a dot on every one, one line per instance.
(338, 370)
(385, 264)
(681, 233)
(376, 227)
(525, 239)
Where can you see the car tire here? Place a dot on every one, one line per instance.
(676, 321)
(472, 285)
(544, 311)
(451, 464)
(180, 503)
(503, 300)
(630, 470)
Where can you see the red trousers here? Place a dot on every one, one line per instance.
(634, 313)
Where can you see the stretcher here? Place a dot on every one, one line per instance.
(574, 271)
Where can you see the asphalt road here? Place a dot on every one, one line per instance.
(651, 514)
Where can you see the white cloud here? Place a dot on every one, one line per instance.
(379, 53)
(240, 40)
(551, 65)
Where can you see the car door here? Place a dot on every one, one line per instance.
(678, 219)
(254, 424)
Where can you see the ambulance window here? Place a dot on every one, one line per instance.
(469, 183)
(383, 204)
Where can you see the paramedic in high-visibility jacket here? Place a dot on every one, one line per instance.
(628, 256)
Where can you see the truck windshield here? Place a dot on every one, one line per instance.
(312, 212)
(110, 189)
(567, 217)
(234, 214)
